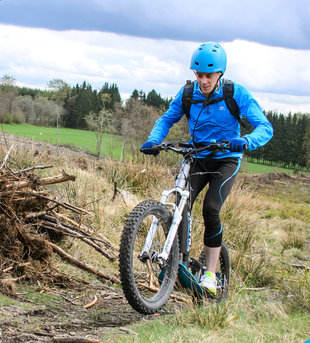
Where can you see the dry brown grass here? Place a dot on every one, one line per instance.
(110, 189)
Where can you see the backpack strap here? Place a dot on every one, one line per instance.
(187, 97)
(228, 92)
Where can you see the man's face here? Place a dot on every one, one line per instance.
(207, 81)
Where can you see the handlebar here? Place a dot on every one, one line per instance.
(188, 148)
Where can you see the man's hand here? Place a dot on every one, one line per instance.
(146, 148)
(238, 144)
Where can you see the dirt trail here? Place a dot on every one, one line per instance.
(60, 316)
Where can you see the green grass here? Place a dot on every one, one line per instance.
(111, 146)
(255, 168)
(80, 139)
(250, 319)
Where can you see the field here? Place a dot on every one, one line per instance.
(78, 139)
(111, 146)
(266, 226)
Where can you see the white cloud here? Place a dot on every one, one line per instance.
(36, 56)
(269, 69)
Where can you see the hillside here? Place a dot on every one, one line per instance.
(266, 225)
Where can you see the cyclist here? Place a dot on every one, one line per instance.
(209, 122)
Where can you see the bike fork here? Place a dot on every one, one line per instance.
(177, 217)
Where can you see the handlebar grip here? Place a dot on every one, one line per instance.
(154, 150)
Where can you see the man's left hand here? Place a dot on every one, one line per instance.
(238, 144)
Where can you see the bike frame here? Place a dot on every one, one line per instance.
(181, 188)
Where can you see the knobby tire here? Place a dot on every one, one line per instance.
(135, 273)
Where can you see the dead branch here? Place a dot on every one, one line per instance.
(39, 195)
(255, 289)
(63, 177)
(155, 289)
(83, 229)
(50, 222)
(300, 266)
(31, 168)
(83, 265)
(92, 303)
(17, 266)
(6, 157)
(14, 295)
(115, 189)
(64, 230)
(79, 226)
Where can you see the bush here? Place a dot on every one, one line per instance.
(8, 119)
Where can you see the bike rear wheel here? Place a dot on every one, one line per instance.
(146, 285)
(222, 272)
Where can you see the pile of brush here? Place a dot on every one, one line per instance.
(30, 223)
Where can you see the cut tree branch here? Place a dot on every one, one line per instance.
(83, 265)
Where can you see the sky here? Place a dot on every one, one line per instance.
(147, 44)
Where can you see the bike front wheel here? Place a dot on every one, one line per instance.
(147, 285)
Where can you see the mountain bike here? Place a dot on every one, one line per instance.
(156, 240)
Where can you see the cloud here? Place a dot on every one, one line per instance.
(269, 69)
(36, 56)
(270, 22)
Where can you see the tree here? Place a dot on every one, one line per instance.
(135, 95)
(306, 146)
(60, 90)
(154, 99)
(8, 81)
(114, 94)
(81, 101)
(98, 122)
(8, 94)
(137, 122)
(46, 112)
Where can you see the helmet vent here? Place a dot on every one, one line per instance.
(210, 65)
(197, 64)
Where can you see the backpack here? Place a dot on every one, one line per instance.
(228, 92)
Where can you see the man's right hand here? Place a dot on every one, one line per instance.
(146, 148)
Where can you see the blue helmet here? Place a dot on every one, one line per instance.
(209, 58)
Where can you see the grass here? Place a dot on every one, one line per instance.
(256, 168)
(112, 145)
(80, 139)
(245, 318)
(266, 232)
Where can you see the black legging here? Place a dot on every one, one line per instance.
(220, 174)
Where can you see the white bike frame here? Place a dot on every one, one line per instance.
(181, 187)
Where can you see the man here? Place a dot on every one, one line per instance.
(211, 120)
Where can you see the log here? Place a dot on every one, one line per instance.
(83, 265)
(63, 177)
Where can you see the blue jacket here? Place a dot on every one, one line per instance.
(215, 122)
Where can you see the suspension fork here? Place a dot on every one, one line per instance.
(180, 189)
(176, 219)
